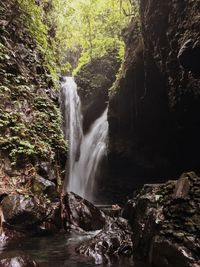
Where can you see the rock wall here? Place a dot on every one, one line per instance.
(153, 111)
(94, 81)
(32, 146)
(165, 222)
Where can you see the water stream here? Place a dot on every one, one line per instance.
(53, 251)
(85, 151)
(85, 155)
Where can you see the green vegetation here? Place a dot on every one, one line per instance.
(39, 40)
(72, 32)
(89, 28)
(36, 19)
(30, 129)
(30, 120)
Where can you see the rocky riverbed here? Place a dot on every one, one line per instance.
(159, 226)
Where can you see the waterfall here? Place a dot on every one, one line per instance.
(85, 151)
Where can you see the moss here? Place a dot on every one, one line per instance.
(98, 73)
(30, 121)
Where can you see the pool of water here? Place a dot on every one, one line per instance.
(56, 251)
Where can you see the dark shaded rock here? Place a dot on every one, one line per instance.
(7, 166)
(185, 54)
(165, 228)
(9, 236)
(45, 170)
(20, 210)
(127, 211)
(111, 211)
(189, 57)
(20, 261)
(80, 213)
(153, 121)
(94, 80)
(41, 185)
(2, 196)
(167, 254)
(24, 213)
(113, 241)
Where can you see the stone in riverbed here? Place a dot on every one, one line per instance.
(26, 213)
(19, 210)
(81, 213)
(169, 238)
(9, 236)
(113, 241)
(20, 261)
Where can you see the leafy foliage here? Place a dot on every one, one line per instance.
(30, 129)
(36, 20)
(68, 34)
(89, 28)
(71, 33)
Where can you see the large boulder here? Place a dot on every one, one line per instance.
(165, 221)
(113, 241)
(94, 80)
(80, 213)
(27, 213)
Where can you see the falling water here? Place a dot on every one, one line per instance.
(85, 151)
(73, 122)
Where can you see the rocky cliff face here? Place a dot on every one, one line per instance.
(32, 146)
(94, 80)
(153, 114)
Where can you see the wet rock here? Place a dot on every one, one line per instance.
(164, 220)
(113, 241)
(41, 185)
(9, 236)
(167, 254)
(24, 213)
(81, 213)
(112, 211)
(20, 261)
(127, 211)
(182, 188)
(19, 210)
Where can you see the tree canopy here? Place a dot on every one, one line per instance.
(71, 32)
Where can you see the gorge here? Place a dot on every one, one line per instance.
(131, 111)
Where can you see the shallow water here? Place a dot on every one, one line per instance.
(56, 251)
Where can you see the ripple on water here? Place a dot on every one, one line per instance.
(54, 251)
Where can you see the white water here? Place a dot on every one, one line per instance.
(85, 152)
